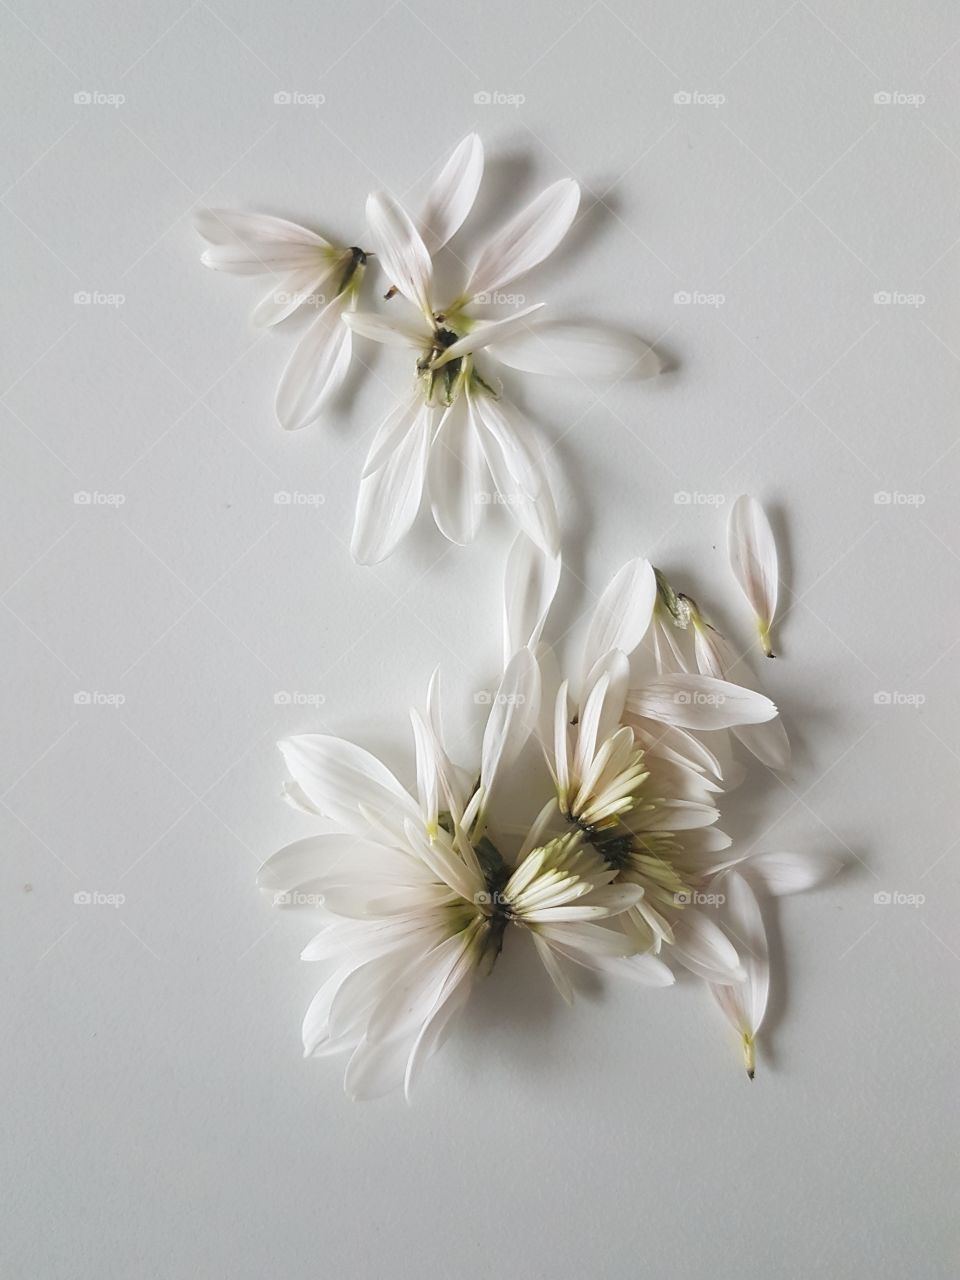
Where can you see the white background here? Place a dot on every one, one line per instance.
(160, 1121)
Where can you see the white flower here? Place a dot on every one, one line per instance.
(457, 436)
(753, 559)
(311, 271)
(416, 897)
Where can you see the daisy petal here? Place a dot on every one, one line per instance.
(451, 197)
(340, 779)
(455, 474)
(404, 255)
(753, 559)
(622, 614)
(486, 331)
(745, 1005)
(699, 702)
(526, 240)
(227, 226)
(293, 290)
(577, 351)
(530, 583)
(783, 873)
(387, 330)
(390, 496)
(513, 715)
(317, 367)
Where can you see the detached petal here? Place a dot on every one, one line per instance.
(753, 559)
(317, 367)
(513, 715)
(227, 226)
(388, 330)
(530, 583)
(699, 702)
(526, 239)
(577, 351)
(404, 256)
(451, 197)
(340, 779)
(783, 873)
(715, 657)
(745, 1004)
(621, 617)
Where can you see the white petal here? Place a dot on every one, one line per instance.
(227, 226)
(699, 702)
(553, 967)
(306, 860)
(506, 457)
(456, 474)
(753, 559)
(511, 437)
(745, 1006)
(622, 614)
(403, 254)
(339, 777)
(292, 291)
(526, 239)
(513, 715)
(576, 351)
(702, 947)
(486, 331)
(783, 873)
(530, 583)
(451, 197)
(317, 367)
(389, 330)
(389, 497)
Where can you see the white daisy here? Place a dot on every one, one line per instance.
(310, 271)
(456, 435)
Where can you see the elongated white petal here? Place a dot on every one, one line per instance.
(486, 331)
(514, 440)
(390, 496)
(526, 239)
(701, 946)
(576, 351)
(339, 778)
(305, 284)
(516, 468)
(715, 657)
(782, 873)
(530, 583)
(403, 254)
(456, 474)
(451, 197)
(622, 614)
(699, 702)
(753, 559)
(317, 367)
(390, 330)
(513, 715)
(307, 860)
(227, 226)
(746, 1004)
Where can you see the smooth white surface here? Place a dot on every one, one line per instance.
(159, 1119)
